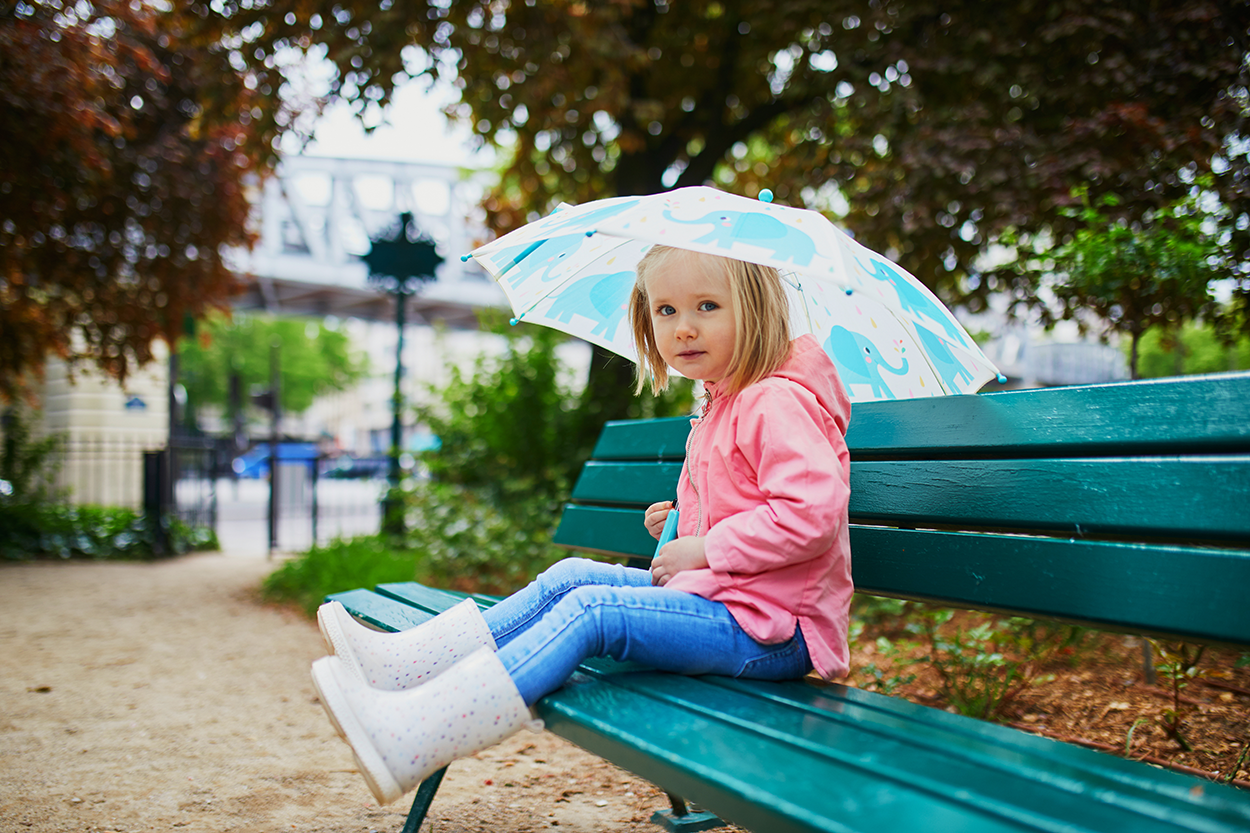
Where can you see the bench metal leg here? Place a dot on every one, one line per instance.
(682, 819)
(422, 801)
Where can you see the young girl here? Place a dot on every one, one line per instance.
(757, 584)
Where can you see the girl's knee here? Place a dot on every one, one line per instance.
(567, 570)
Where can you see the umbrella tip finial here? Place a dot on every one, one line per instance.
(465, 258)
(1002, 380)
(514, 321)
(766, 195)
(849, 291)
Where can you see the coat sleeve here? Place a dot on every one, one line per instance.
(783, 433)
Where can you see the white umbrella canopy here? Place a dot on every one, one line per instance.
(889, 336)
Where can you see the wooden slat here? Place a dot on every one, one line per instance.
(380, 611)
(651, 439)
(1187, 593)
(636, 484)
(1183, 499)
(788, 757)
(610, 531)
(1192, 414)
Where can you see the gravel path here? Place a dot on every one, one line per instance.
(165, 696)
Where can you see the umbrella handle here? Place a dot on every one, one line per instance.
(670, 530)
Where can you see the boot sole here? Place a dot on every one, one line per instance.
(335, 640)
(372, 768)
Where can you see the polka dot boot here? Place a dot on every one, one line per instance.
(400, 738)
(399, 661)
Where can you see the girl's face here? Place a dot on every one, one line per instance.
(692, 316)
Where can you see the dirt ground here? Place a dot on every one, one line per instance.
(165, 696)
(1093, 694)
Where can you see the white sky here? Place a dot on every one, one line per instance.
(412, 129)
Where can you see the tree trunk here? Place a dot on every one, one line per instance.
(608, 395)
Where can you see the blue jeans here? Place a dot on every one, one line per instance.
(580, 608)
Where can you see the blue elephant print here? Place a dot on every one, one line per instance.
(538, 260)
(587, 220)
(603, 299)
(789, 244)
(944, 361)
(859, 362)
(914, 301)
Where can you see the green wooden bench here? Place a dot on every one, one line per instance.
(1125, 507)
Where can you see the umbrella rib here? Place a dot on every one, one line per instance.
(574, 276)
(528, 251)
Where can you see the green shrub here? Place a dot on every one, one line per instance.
(469, 541)
(340, 565)
(983, 662)
(512, 438)
(36, 521)
(457, 538)
(41, 529)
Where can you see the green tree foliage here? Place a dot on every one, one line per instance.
(1196, 348)
(513, 428)
(126, 146)
(315, 359)
(1157, 272)
(943, 124)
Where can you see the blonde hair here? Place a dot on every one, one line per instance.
(761, 317)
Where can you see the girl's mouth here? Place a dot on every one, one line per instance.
(689, 354)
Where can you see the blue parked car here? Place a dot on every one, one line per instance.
(255, 463)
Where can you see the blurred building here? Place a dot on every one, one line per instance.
(106, 428)
(1031, 357)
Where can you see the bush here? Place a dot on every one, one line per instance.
(340, 565)
(983, 661)
(512, 438)
(512, 431)
(458, 538)
(37, 521)
(40, 529)
(469, 541)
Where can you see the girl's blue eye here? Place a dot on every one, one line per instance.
(708, 306)
(665, 310)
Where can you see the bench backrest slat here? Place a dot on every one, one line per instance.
(607, 530)
(1187, 499)
(1185, 592)
(1191, 414)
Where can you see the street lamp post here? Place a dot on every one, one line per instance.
(399, 264)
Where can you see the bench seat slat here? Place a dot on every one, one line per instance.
(795, 757)
(1182, 592)
(1180, 498)
(1191, 414)
(379, 611)
(954, 774)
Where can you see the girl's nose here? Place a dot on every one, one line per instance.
(685, 327)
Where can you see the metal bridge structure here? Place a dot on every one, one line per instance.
(316, 218)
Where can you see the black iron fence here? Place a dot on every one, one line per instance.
(194, 479)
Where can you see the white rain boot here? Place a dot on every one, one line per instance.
(400, 738)
(403, 660)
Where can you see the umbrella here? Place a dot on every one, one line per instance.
(889, 336)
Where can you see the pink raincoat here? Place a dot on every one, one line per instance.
(771, 477)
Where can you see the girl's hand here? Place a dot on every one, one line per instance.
(656, 514)
(675, 556)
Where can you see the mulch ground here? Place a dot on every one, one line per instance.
(1094, 694)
